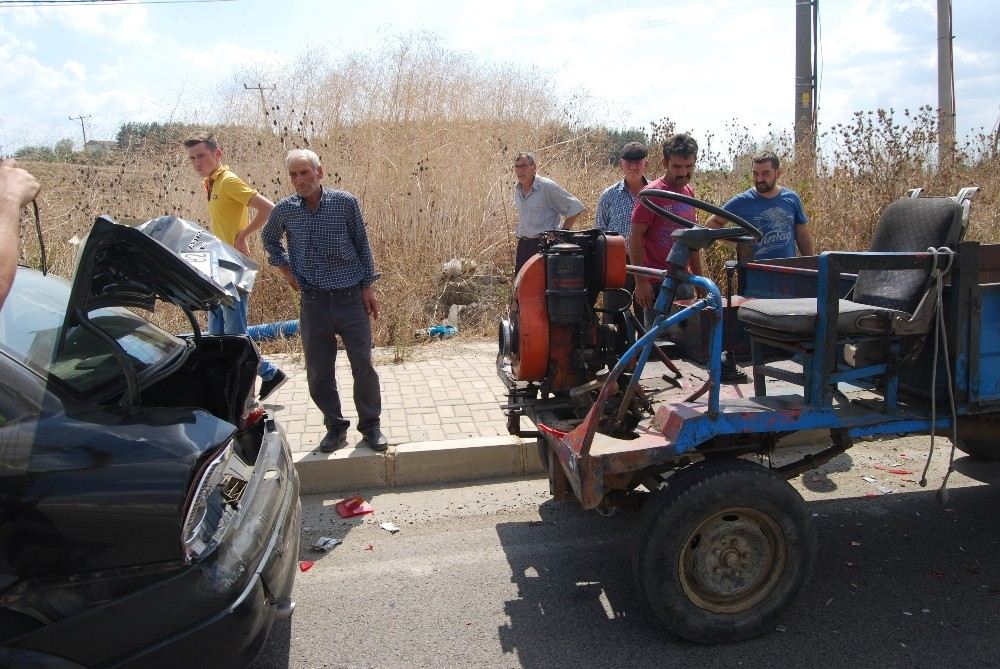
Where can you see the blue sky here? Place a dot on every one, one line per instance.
(700, 62)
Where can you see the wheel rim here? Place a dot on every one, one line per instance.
(732, 560)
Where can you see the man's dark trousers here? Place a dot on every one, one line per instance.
(527, 247)
(326, 313)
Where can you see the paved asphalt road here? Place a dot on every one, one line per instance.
(496, 575)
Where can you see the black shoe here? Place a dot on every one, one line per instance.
(333, 440)
(270, 385)
(376, 440)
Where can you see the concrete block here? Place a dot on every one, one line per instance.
(461, 460)
(341, 471)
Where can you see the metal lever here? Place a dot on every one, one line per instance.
(730, 372)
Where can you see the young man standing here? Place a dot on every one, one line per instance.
(229, 202)
(649, 240)
(775, 210)
(542, 205)
(329, 261)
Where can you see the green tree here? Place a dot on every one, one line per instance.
(41, 153)
(153, 134)
(617, 139)
(63, 149)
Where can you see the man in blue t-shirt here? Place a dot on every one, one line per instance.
(775, 210)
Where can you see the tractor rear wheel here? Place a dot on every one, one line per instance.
(979, 436)
(981, 449)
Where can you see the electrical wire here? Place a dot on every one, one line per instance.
(4, 4)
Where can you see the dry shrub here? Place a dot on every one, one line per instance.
(426, 137)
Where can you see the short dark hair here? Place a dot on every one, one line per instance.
(680, 144)
(202, 137)
(767, 157)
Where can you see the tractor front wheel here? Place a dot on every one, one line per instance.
(723, 550)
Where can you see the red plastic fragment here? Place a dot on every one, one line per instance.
(353, 506)
(894, 470)
(369, 547)
(306, 565)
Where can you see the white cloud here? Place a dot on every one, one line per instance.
(75, 68)
(21, 69)
(120, 23)
(111, 71)
(223, 59)
(23, 16)
(964, 57)
(700, 62)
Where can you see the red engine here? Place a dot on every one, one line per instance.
(555, 335)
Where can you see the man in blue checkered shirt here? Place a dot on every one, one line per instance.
(329, 260)
(614, 207)
(614, 214)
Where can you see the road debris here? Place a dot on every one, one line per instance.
(326, 543)
(892, 469)
(353, 506)
(306, 565)
(391, 528)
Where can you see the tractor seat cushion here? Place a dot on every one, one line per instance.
(797, 318)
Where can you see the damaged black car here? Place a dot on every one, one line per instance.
(150, 507)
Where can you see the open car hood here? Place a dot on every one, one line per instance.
(121, 266)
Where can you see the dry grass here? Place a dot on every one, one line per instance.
(426, 139)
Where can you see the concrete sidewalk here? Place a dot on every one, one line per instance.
(441, 411)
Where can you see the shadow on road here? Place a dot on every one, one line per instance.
(901, 581)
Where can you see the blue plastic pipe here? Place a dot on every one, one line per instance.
(269, 331)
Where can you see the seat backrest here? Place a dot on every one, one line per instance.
(909, 224)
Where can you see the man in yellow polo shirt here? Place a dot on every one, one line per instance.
(229, 202)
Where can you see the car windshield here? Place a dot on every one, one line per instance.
(32, 317)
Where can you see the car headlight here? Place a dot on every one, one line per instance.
(214, 504)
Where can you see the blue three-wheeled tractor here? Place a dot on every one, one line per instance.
(891, 341)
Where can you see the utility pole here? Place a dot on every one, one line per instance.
(83, 128)
(261, 88)
(946, 85)
(805, 81)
